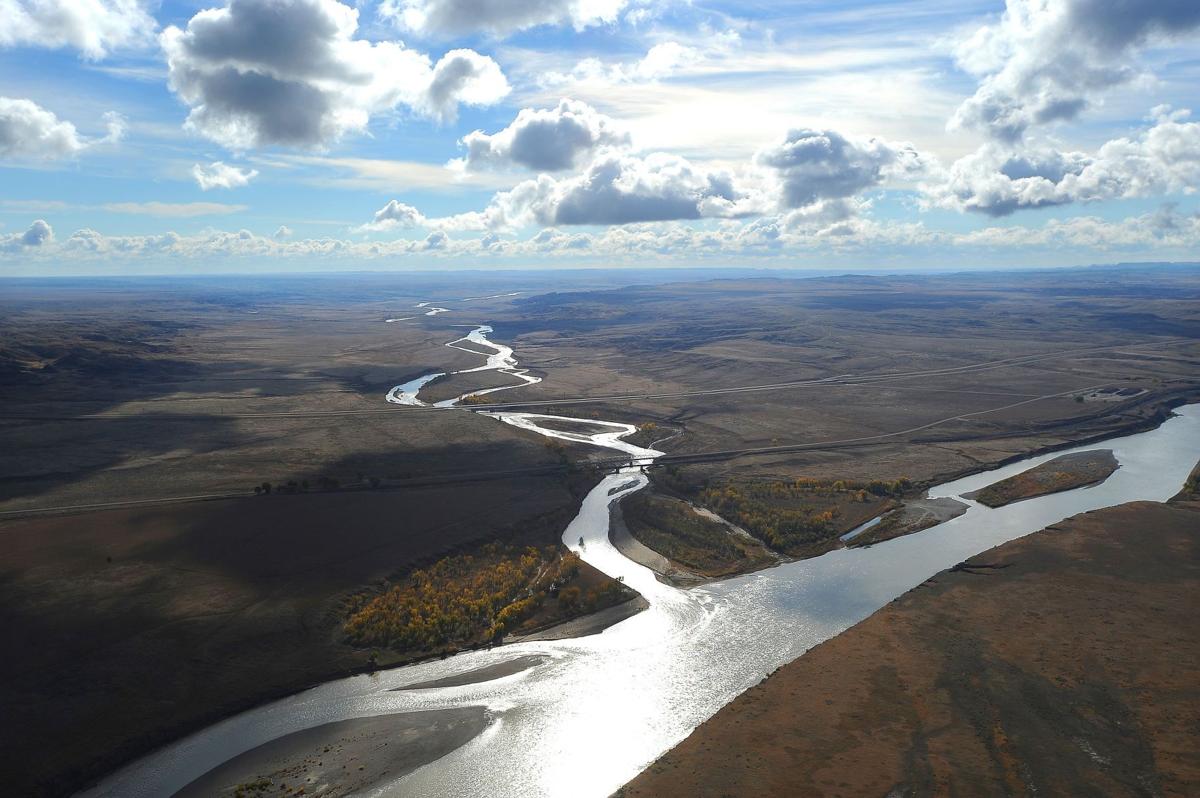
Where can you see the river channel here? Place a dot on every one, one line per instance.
(598, 709)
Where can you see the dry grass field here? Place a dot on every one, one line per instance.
(995, 364)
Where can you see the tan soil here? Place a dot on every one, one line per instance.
(345, 758)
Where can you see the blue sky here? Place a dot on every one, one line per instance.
(412, 134)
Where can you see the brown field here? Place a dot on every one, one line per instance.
(1064, 663)
(995, 363)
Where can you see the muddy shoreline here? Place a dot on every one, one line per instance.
(346, 757)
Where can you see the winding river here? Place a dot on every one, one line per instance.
(598, 709)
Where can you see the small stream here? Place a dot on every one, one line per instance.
(598, 709)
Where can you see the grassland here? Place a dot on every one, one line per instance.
(928, 377)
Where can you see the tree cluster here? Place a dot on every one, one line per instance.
(461, 598)
(791, 515)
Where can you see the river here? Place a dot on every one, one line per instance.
(598, 709)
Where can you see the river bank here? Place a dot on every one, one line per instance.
(343, 758)
(1062, 473)
(951, 688)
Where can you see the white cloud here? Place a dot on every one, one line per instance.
(94, 27)
(815, 165)
(1046, 60)
(548, 140)
(29, 131)
(290, 72)
(615, 188)
(819, 172)
(392, 216)
(462, 76)
(284, 232)
(829, 231)
(178, 210)
(36, 235)
(221, 175)
(1163, 229)
(464, 17)
(997, 180)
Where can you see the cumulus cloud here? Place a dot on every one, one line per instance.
(36, 235)
(94, 27)
(221, 175)
(815, 165)
(1046, 60)
(290, 72)
(615, 188)
(29, 131)
(462, 76)
(548, 140)
(1165, 228)
(394, 215)
(817, 173)
(784, 236)
(464, 17)
(998, 181)
(284, 232)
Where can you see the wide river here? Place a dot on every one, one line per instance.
(598, 709)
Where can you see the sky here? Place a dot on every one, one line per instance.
(195, 136)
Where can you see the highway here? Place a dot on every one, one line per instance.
(607, 464)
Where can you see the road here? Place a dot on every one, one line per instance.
(607, 464)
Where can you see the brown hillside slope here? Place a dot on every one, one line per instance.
(1070, 668)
